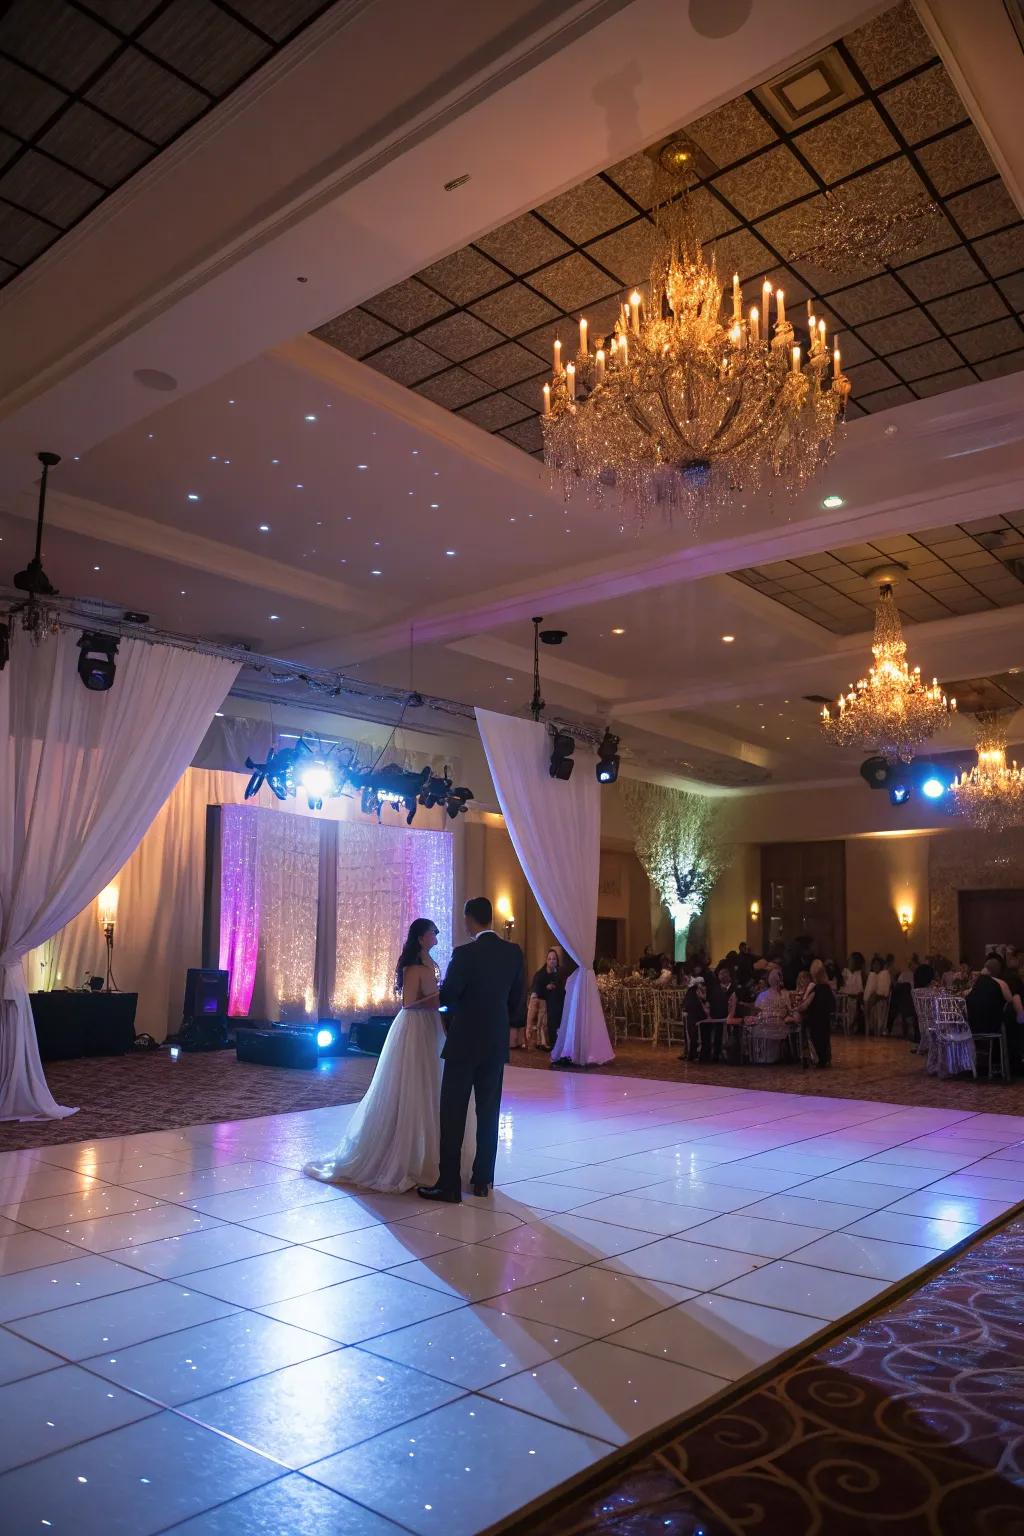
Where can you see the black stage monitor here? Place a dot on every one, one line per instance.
(206, 994)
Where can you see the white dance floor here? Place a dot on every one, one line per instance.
(195, 1338)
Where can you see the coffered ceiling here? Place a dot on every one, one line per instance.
(90, 90)
(875, 116)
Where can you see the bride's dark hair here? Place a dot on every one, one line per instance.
(411, 948)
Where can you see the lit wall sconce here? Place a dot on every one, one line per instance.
(906, 920)
(106, 907)
(755, 909)
(503, 907)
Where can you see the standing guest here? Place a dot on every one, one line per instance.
(854, 979)
(988, 999)
(696, 1014)
(720, 999)
(924, 975)
(547, 998)
(745, 964)
(877, 992)
(817, 1007)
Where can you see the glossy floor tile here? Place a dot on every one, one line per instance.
(320, 1359)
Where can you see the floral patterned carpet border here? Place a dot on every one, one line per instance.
(911, 1424)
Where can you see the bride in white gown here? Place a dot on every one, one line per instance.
(392, 1141)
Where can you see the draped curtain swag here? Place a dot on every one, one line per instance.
(555, 829)
(84, 775)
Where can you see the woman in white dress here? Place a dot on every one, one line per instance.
(392, 1141)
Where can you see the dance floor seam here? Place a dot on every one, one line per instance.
(331, 1360)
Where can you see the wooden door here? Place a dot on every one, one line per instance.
(988, 918)
(803, 890)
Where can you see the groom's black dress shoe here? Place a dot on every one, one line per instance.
(481, 1189)
(438, 1192)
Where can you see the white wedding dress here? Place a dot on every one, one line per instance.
(393, 1138)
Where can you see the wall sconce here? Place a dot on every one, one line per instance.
(906, 919)
(755, 909)
(106, 907)
(503, 907)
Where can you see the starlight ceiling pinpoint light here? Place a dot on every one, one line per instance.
(681, 408)
(891, 711)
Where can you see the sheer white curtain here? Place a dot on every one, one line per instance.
(555, 829)
(288, 874)
(84, 774)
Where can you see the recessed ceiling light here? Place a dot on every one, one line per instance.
(832, 501)
(728, 639)
(449, 551)
(310, 418)
(362, 466)
(275, 616)
(95, 567)
(193, 495)
(182, 592)
(435, 506)
(300, 486)
(231, 402)
(375, 573)
(510, 679)
(213, 458)
(275, 461)
(618, 631)
(264, 527)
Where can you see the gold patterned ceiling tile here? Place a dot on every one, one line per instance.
(453, 388)
(407, 361)
(523, 244)
(893, 334)
(890, 44)
(732, 131)
(459, 336)
(773, 178)
(972, 306)
(586, 211)
(983, 209)
(957, 161)
(507, 364)
(626, 252)
(941, 383)
(495, 411)
(357, 332)
(938, 275)
(990, 340)
(847, 142)
(999, 367)
(514, 309)
(924, 105)
(918, 362)
(1004, 252)
(407, 305)
(464, 275)
(573, 282)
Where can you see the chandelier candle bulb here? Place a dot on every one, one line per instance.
(583, 338)
(835, 362)
(570, 374)
(766, 298)
(599, 364)
(755, 330)
(557, 363)
(796, 359)
(821, 334)
(547, 399)
(634, 305)
(737, 298)
(780, 304)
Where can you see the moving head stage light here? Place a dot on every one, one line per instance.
(326, 773)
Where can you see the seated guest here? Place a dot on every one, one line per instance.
(987, 1000)
(696, 1014)
(666, 976)
(924, 975)
(817, 1006)
(774, 1013)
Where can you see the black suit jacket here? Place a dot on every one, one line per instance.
(484, 994)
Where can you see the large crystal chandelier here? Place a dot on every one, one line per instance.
(681, 408)
(991, 794)
(891, 711)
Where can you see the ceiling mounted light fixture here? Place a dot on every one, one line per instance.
(991, 794)
(891, 711)
(684, 408)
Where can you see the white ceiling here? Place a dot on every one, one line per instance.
(685, 702)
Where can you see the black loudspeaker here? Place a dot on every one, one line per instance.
(204, 1034)
(368, 1035)
(206, 994)
(277, 1047)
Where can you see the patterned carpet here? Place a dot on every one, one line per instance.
(911, 1424)
(875, 1069)
(126, 1095)
(146, 1091)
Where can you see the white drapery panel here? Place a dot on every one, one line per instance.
(387, 877)
(555, 828)
(84, 775)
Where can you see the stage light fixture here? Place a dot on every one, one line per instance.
(96, 665)
(899, 793)
(325, 1038)
(933, 786)
(561, 756)
(608, 759)
(876, 772)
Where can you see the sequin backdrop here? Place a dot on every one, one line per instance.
(387, 876)
(270, 917)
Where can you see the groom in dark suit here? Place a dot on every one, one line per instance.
(484, 995)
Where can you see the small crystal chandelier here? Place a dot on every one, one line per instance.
(891, 711)
(683, 408)
(991, 794)
(846, 235)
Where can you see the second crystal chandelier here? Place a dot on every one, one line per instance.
(683, 408)
(891, 711)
